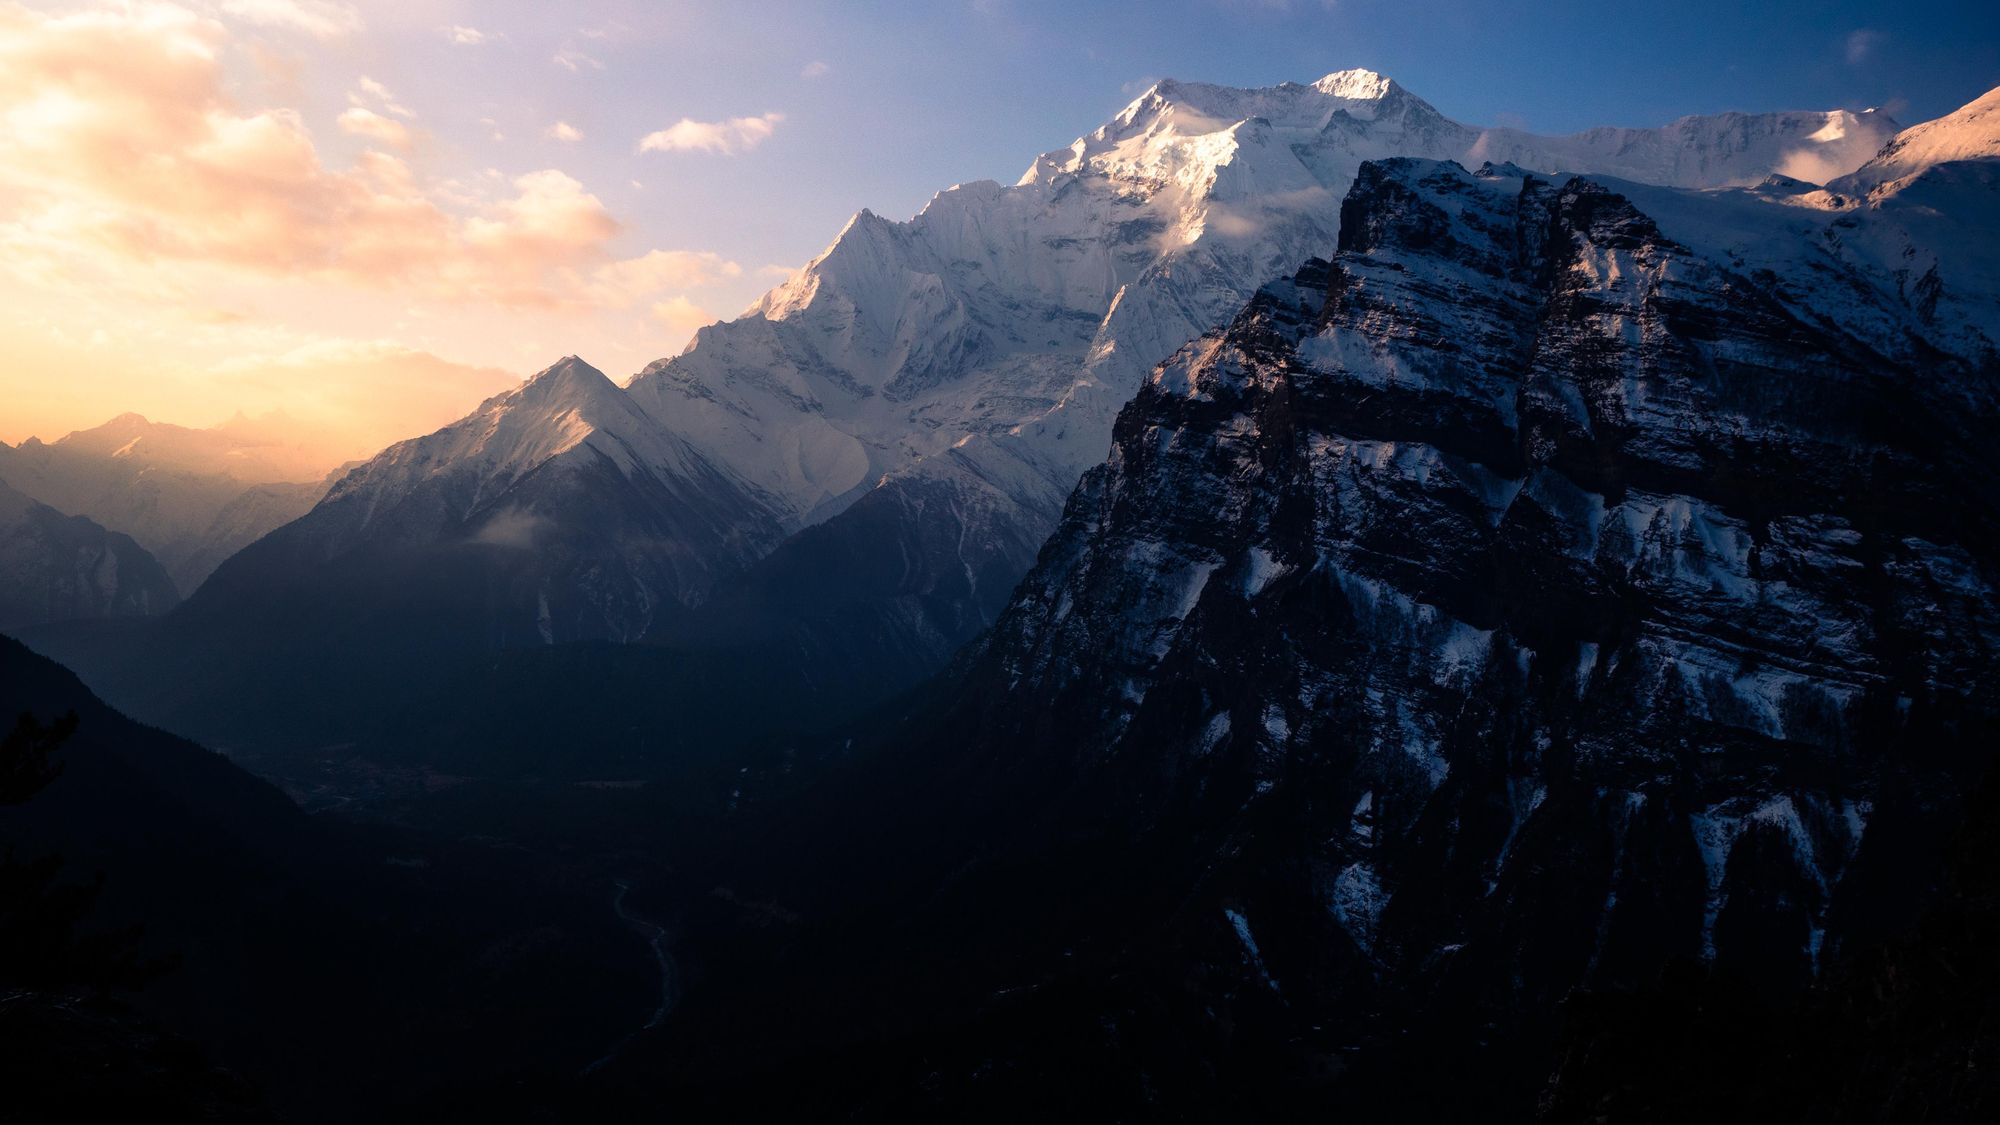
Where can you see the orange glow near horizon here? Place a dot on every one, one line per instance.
(174, 242)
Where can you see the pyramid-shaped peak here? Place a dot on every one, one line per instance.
(128, 422)
(570, 367)
(568, 383)
(569, 372)
(118, 430)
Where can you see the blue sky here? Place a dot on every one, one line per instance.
(918, 96)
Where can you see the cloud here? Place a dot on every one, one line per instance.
(815, 69)
(1861, 44)
(125, 165)
(367, 393)
(321, 19)
(738, 134)
(565, 132)
(382, 96)
(623, 284)
(682, 316)
(463, 36)
(360, 395)
(516, 528)
(575, 61)
(375, 127)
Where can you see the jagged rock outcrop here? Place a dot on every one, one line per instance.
(1531, 595)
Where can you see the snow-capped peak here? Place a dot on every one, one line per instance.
(905, 341)
(567, 383)
(990, 341)
(569, 410)
(1175, 124)
(1972, 132)
(1356, 85)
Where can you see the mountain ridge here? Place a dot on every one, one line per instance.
(959, 371)
(191, 497)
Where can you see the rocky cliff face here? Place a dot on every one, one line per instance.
(1543, 591)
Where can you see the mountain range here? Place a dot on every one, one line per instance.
(189, 497)
(979, 351)
(1294, 598)
(841, 487)
(1569, 587)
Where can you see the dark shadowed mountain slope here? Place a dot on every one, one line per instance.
(345, 971)
(430, 588)
(55, 567)
(1905, 1031)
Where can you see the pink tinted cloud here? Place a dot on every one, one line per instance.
(117, 136)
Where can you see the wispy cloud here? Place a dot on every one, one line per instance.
(361, 122)
(381, 95)
(575, 61)
(565, 132)
(321, 19)
(738, 134)
(815, 69)
(464, 36)
(1861, 44)
(623, 284)
(682, 316)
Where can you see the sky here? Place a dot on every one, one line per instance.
(373, 215)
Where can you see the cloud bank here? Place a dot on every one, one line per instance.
(121, 141)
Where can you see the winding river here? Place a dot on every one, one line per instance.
(656, 939)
